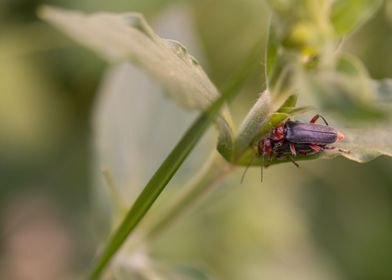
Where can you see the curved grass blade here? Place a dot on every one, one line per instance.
(169, 167)
(157, 183)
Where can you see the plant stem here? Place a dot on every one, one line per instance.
(212, 172)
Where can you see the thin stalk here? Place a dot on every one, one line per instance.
(212, 173)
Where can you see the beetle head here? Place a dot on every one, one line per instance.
(265, 147)
(278, 132)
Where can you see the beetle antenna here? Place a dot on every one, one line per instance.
(246, 168)
(316, 117)
(293, 161)
(262, 169)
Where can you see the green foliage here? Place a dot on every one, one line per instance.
(303, 61)
(368, 141)
(159, 181)
(128, 37)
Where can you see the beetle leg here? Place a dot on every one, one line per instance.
(270, 154)
(292, 149)
(246, 168)
(267, 160)
(261, 171)
(316, 117)
(339, 149)
(293, 161)
(344, 151)
(315, 147)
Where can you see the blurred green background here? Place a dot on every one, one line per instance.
(327, 220)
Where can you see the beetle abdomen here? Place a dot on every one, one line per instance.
(298, 132)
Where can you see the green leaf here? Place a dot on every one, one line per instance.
(289, 105)
(253, 122)
(292, 111)
(169, 167)
(347, 15)
(158, 182)
(367, 142)
(272, 49)
(128, 37)
(256, 124)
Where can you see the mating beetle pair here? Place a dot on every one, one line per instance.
(294, 137)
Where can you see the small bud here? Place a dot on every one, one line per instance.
(304, 37)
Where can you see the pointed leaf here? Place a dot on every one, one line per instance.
(128, 37)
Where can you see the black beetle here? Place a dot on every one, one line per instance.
(293, 133)
(291, 137)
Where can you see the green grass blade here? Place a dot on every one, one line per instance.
(169, 167)
(156, 184)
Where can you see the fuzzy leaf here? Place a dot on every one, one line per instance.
(128, 37)
(253, 122)
(367, 143)
(350, 14)
(257, 123)
(163, 175)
